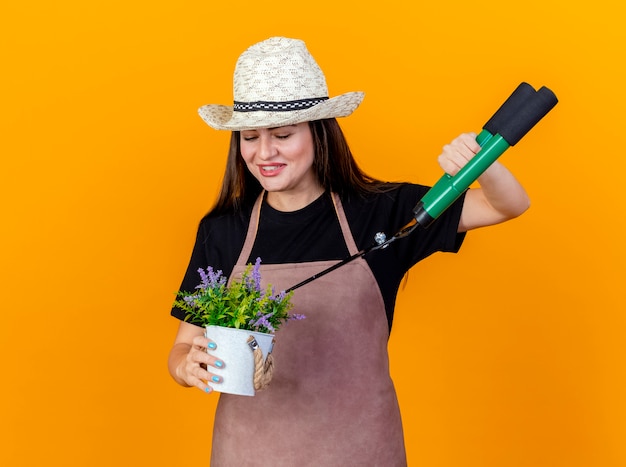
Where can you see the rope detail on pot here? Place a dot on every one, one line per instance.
(263, 371)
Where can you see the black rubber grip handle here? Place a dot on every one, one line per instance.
(534, 109)
(509, 108)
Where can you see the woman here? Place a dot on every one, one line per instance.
(293, 195)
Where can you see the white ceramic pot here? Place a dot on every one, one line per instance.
(238, 357)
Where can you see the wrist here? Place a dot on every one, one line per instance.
(177, 360)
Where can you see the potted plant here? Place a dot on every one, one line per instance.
(241, 318)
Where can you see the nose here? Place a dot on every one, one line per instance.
(267, 150)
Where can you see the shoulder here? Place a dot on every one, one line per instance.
(220, 238)
(386, 193)
(390, 200)
(385, 210)
(225, 222)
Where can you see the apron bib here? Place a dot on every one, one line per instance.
(331, 401)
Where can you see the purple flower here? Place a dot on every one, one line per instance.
(204, 279)
(256, 275)
(210, 279)
(263, 321)
(267, 294)
(217, 279)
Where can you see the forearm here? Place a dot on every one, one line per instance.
(499, 198)
(503, 192)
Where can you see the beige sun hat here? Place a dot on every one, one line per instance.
(276, 83)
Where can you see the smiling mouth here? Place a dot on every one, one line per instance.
(270, 169)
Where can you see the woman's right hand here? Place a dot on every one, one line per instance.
(189, 363)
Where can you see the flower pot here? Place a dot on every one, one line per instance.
(234, 349)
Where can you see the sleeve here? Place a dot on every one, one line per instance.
(389, 212)
(218, 243)
(441, 236)
(198, 260)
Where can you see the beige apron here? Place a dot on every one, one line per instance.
(331, 401)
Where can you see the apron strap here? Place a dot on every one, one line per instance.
(252, 229)
(345, 227)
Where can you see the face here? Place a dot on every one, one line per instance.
(281, 159)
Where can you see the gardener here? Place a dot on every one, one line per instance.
(294, 196)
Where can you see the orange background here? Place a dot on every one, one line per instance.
(510, 353)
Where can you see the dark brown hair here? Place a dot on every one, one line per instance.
(333, 163)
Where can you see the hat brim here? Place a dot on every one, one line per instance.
(222, 117)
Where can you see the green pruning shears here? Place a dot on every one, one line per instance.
(519, 113)
(515, 117)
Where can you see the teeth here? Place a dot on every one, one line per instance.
(270, 168)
